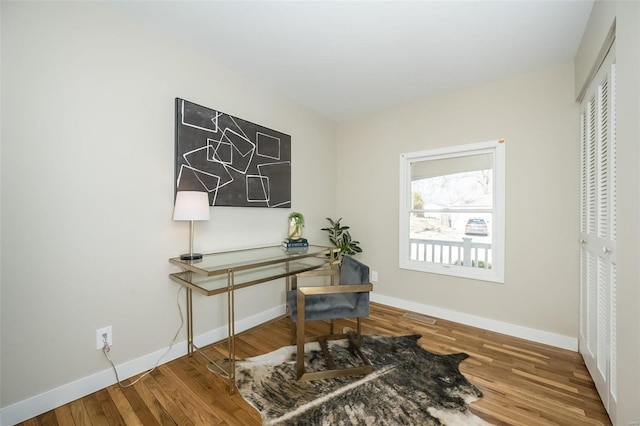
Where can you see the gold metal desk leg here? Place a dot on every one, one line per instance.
(189, 321)
(231, 330)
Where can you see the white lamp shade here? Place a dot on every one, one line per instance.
(191, 205)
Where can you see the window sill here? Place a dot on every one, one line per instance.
(454, 271)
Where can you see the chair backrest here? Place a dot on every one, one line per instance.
(353, 271)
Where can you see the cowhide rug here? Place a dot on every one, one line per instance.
(409, 386)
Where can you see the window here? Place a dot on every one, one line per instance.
(452, 211)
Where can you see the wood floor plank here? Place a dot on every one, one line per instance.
(94, 411)
(48, 419)
(524, 383)
(109, 408)
(64, 415)
(166, 401)
(214, 392)
(199, 411)
(146, 406)
(129, 415)
(79, 412)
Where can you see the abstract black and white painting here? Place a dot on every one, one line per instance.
(238, 163)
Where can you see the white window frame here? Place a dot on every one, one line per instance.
(496, 272)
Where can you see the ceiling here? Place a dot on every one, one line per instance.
(345, 59)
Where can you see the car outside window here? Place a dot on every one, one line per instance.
(476, 227)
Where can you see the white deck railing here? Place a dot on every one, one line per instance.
(465, 252)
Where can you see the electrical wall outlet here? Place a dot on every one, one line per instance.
(103, 334)
(374, 276)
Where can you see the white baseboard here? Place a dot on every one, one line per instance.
(545, 337)
(38, 404)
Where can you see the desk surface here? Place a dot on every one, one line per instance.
(248, 266)
(237, 260)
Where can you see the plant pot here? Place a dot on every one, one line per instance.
(295, 230)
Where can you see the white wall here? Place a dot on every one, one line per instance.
(626, 16)
(537, 116)
(87, 189)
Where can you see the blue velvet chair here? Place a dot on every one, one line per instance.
(349, 298)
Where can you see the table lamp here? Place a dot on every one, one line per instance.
(191, 206)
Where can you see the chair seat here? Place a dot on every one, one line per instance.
(330, 306)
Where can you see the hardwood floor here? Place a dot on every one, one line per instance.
(524, 383)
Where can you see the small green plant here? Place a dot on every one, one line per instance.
(341, 239)
(296, 223)
(481, 264)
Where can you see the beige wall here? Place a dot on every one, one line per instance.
(87, 189)
(626, 16)
(537, 116)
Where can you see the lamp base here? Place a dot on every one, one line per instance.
(191, 256)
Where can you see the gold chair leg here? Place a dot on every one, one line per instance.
(333, 371)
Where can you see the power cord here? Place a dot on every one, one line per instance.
(106, 348)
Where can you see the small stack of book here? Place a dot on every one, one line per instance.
(301, 245)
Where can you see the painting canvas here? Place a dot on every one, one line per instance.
(238, 163)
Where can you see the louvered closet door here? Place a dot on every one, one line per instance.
(598, 232)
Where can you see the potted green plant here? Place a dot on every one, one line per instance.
(296, 223)
(341, 239)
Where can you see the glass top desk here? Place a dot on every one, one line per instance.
(225, 272)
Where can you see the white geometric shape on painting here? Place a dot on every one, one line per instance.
(240, 142)
(213, 167)
(275, 171)
(268, 146)
(243, 147)
(238, 126)
(214, 121)
(221, 152)
(284, 203)
(209, 182)
(257, 188)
